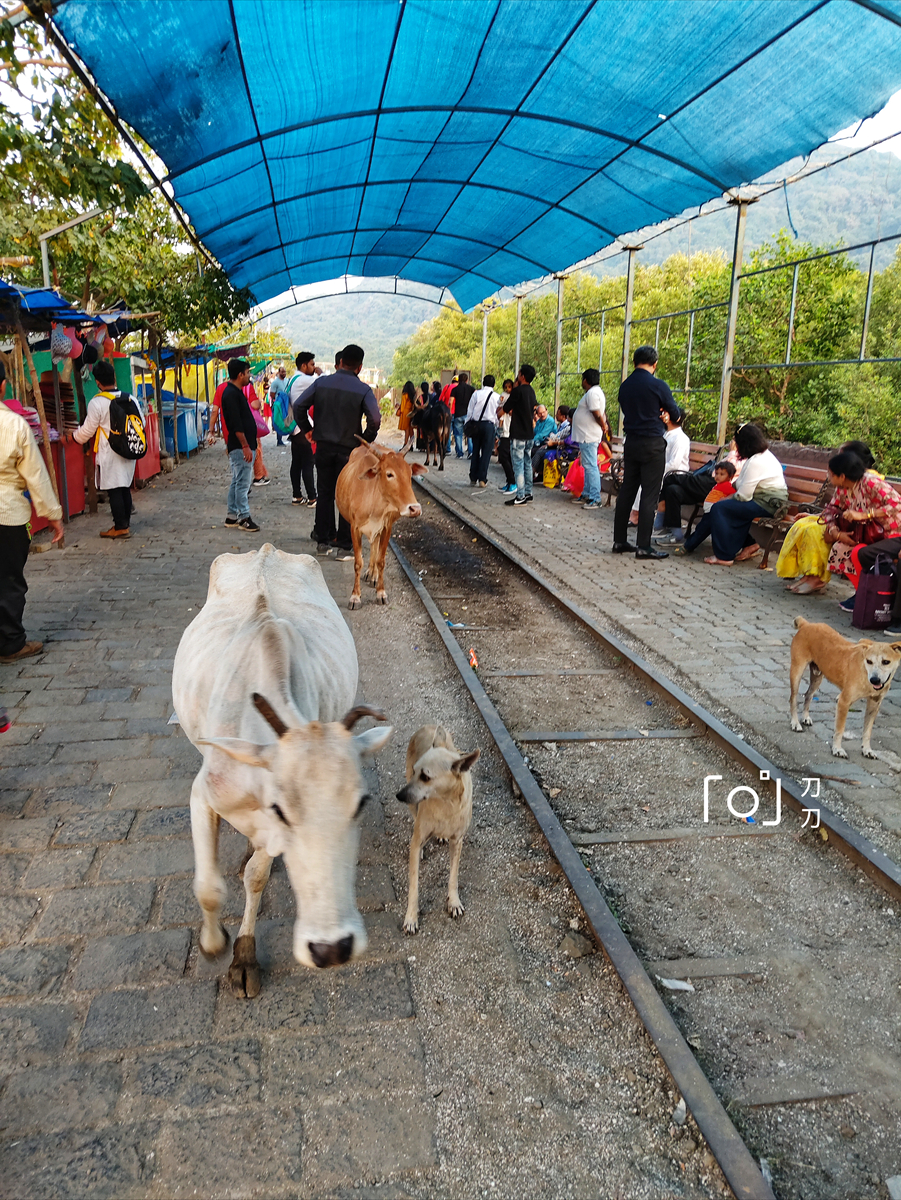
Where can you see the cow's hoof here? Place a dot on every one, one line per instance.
(441, 468)
(218, 947)
(455, 910)
(411, 925)
(382, 597)
(355, 602)
(244, 980)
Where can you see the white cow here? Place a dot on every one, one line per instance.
(271, 654)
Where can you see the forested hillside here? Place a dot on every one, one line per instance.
(378, 323)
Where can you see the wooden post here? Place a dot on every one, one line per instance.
(60, 428)
(175, 374)
(39, 405)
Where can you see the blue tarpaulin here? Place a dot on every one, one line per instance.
(470, 144)
(40, 304)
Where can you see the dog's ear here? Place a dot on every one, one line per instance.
(865, 643)
(896, 646)
(466, 763)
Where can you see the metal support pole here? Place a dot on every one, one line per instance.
(791, 316)
(45, 262)
(60, 429)
(691, 338)
(559, 342)
(484, 344)
(866, 311)
(518, 335)
(734, 286)
(627, 319)
(579, 348)
(601, 351)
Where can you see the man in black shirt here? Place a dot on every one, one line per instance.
(520, 405)
(641, 397)
(241, 445)
(341, 403)
(461, 394)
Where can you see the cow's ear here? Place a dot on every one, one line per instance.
(254, 754)
(466, 763)
(369, 474)
(372, 740)
(419, 469)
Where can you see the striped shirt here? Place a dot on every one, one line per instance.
(21, 467)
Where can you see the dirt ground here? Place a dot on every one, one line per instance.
(792, 953)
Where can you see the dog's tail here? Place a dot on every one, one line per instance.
(799, 621)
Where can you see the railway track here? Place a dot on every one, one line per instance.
(780, 1030)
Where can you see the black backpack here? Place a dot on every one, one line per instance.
(127, 436)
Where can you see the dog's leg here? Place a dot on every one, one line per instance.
(797, 670)
(816, 678)
(454, 905)
(411, 920)
(841, 716)
(873, 705)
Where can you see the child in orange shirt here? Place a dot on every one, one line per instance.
(723, 474)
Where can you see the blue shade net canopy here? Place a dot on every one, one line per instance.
(467, 145)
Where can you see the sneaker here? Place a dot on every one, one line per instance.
(27, 651)
(578, 500)
(249, 525)
(529, 498)
(231, 522)
(592, 504)
(261, 482)
(660, 532)
(894, 629)
(509, 489)
(343, 555)
(515, 500)
(298, 500)
(848, 605)
(324, 548)
(483, 483)
(671, 539)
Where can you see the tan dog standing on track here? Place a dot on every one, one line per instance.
(439, 786)
(858, 669)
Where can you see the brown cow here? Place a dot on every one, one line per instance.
(373, 490)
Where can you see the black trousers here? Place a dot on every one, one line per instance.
(14, 543)
(681, 487)
(503, 457)
(482, 448)
(643, 461)
(301, 465)
(331, 460)
(538, 453)
(120, 506)
(867, 557)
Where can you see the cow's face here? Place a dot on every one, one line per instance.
(311, 799)
(395, 476)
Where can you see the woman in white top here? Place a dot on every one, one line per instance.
(114, 474)
(759, 491)
(678, 457)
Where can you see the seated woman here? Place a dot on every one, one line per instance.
(860, 497)
(759, 490)
(804, 557)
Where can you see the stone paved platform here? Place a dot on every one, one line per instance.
(476, 1060)
(722, 632)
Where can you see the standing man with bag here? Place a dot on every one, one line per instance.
(21, 468)
(641, 397)
(109, 413)
(241, 445)
(481, 427)
(461, 394)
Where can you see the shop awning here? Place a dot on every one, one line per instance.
(470, 144)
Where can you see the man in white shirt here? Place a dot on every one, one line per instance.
(482, 410)
(302, 457)
(276, 389)
(589, 425)
(21, 469)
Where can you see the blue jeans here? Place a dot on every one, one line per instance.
(457, 424)
(242, 474)
(588, 453)
(521, 455)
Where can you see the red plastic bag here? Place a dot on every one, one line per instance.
(575, 478)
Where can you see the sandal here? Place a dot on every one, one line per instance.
(808, 589)
(747, 553)
(719, 562)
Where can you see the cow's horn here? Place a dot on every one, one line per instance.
(406, 447)
(357, 714)
(268, 713)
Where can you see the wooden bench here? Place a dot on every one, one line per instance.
(699, 454)
(809, 491)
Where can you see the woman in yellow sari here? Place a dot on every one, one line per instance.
(804, 557)
(405, 410)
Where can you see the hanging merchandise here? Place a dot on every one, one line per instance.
(60, 345)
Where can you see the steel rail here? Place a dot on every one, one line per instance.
(878, 866)
(741, 1171)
